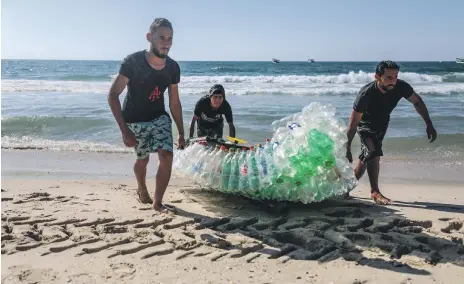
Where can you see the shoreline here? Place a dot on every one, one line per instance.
(51, 164)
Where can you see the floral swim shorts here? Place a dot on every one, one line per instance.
(152, 136)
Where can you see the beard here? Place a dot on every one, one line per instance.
(157, 53)
(387, 88)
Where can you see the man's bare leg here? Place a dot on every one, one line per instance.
(140, 170)
(163, 176)
(359, 171)
(373, 170)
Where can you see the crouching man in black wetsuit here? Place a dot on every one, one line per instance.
(370, 118)
(208, 114)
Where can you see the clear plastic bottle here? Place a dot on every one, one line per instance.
(235, 171)
(227, 170)
(216, 168)
(243, 179)
(208, 166)
(198, 165)
(253, 171)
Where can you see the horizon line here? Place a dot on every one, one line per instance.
(281, 61)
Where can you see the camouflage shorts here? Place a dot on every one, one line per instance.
(152, 136)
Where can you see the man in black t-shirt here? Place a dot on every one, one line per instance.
(370, 118)
(208, 114)
(143, 120)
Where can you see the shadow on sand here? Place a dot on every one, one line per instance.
(354, 230)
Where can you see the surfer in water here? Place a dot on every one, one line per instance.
(144, 123)
(370, 118)
(208, 114)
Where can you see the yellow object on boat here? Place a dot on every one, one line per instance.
(236, 140)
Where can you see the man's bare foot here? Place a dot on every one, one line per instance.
(143, 196)
(379, 198)
(164, 208)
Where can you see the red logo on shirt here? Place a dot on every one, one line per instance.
(154, 95)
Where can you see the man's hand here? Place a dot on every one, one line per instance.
(181, 142)
(431, 133)
(128, 138)
(420, 107)
(176, 111)
(118, 85)
(354, 121)
(349, 156)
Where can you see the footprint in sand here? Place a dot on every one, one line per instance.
(453, 225)
(342, 232)
(37, 197)
(120, 187)
(27, 274)
(445, 219)
(121, 270)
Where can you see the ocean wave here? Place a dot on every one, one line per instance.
(249, 85)
(352, 77)
(199, 88)
(57, 127)
(45, 86)
(29, 142)
(89, 78)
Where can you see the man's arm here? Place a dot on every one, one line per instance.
(354, 121)
(230, 120)
(192, 126)
(421, 108)
(118, 85)
(359, 106)
(176, 108)
(231, 129)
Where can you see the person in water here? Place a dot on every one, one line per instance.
(208, 114)
(144, 123)
(370, 118)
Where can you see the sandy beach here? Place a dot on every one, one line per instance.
(67, 220)
(288, 87)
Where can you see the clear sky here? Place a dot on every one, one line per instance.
(327, 30)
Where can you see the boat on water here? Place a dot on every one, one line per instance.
(311, 60)
(275, 60)
(460, 60)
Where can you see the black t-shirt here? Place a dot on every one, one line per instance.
(377, 107)
(145, 91)
(209, 117)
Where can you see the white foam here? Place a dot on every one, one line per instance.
(249, 85)
(69, 145)
(350, 78)
(45, 86)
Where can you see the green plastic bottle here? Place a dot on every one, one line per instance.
(234, 172)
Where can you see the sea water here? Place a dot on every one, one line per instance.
(62, 105)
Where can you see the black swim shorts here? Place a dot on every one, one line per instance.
(213, 132)
(371, 144)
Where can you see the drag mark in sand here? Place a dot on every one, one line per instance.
(342, 232)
